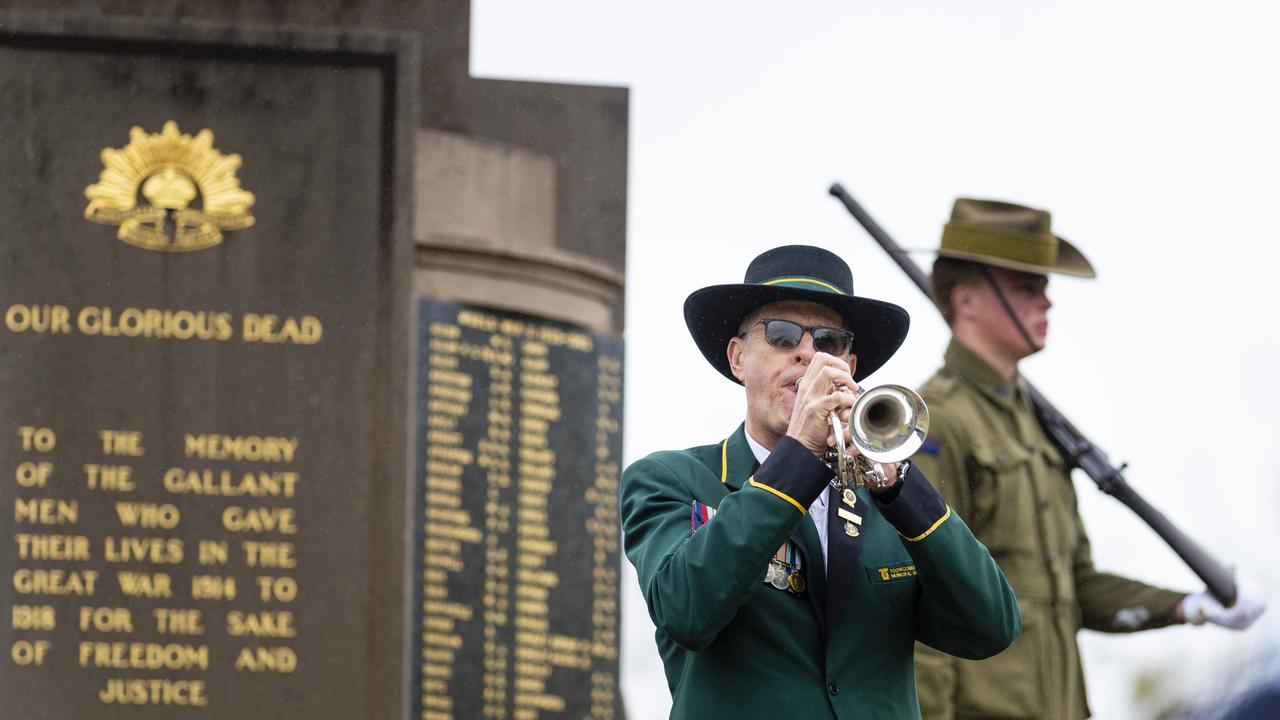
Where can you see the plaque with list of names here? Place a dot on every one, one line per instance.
(517, 547)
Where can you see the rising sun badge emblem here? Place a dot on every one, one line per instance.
(169, 191)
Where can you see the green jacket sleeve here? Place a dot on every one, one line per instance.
(694, 583)
(966, 606)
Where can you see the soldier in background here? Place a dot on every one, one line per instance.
(990, 459)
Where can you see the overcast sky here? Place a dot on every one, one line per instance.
(1148, 129)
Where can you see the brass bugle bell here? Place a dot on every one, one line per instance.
(888, 423)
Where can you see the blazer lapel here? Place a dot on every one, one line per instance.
(737, 463)
(844, 550)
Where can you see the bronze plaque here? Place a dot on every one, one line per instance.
(519, 444)
(201, 352)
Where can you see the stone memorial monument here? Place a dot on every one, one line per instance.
(310, 368)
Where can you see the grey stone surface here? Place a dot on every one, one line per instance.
(582, 129)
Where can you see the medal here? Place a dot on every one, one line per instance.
(851, 530)
(849, 497)
(779, 577)
(783, 572)
(796, 582)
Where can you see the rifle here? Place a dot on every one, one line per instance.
(1075, 447)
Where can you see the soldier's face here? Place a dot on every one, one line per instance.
(769, 373)
(1027, 296)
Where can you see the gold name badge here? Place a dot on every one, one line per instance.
(169, 191)
(892, 573)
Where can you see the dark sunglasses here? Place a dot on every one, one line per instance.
(786, 335)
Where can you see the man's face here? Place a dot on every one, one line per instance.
(1026, 295)
(768, 373)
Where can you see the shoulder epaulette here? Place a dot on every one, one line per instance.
(938, 386)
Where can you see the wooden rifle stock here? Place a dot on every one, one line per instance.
(1075, 447)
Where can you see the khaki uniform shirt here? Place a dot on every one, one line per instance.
(992, 462)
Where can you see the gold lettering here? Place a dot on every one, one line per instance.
(260, 519)
(541, 411)
(306, 330)
(261, 624)
(541, 547)
(117, 478)
(178, 622)
(451, 500)
(269, 554)
(442, 361)
(153, 692)
(25, 652)
(29, 581)
(213, 552)
(548, 703)
(52, 319)
(46, 511)
(453, 610)
(157, 551)
(460, 517)
(439, 329)
(458, 455)
(225, 483)
(457, 409)
(446, 392)
(448, 562)
(280, 589)
(40, 439)
(442, 640)
(240, 447)
(532, 623)
(456, 532)
(144, 656)
(477, 320)
(121, 442)
(450, 377)
(213, 587)
(33, 617)
(154, 323)
(151, 585)
(442, 422)
(52, 547)
(148, 515)
(106, 619)
(544, 578)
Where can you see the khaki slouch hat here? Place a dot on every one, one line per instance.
(1009, 236)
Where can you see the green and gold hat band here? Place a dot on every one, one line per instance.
(805, 283)
(984, 241)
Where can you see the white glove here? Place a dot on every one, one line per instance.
(1200, 608)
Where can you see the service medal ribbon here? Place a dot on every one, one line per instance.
(702, 514)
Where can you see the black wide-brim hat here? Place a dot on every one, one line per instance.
(795, 272)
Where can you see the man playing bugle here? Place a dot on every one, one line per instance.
(777, 592)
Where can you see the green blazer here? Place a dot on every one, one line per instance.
(734, 645)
